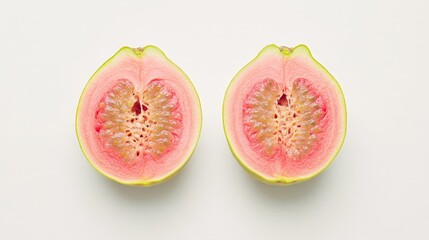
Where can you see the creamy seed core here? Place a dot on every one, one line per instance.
(133, 124)
(283, 121)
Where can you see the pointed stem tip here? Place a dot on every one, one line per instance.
(285, 49)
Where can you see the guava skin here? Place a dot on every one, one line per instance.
(231, 135)
(139, 53)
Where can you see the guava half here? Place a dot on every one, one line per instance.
(139, 117)
(284, 116)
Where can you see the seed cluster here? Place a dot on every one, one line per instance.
(283, 121)
(134, 125)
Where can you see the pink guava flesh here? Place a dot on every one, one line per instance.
(139, 117)
(284, 115)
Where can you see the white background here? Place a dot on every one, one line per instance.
(377, 187)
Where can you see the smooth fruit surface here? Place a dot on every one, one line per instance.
(139, 117)
(284, 116)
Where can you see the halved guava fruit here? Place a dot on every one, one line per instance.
(284, 116)
(139, 117)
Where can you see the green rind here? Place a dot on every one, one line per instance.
(284, 181)
(152, 182)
